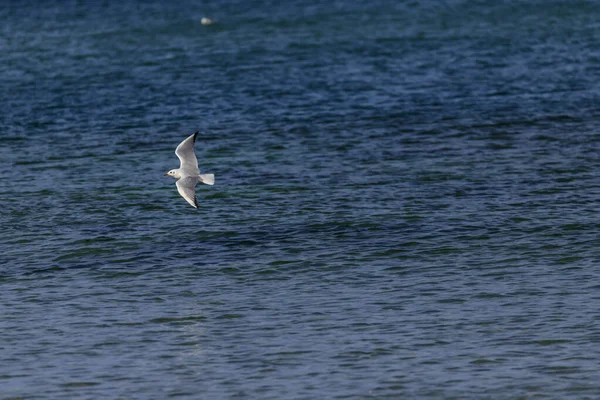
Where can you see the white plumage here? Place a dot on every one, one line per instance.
(188, 174)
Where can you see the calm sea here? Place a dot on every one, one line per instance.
(406, 201)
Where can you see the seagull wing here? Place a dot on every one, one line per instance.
(187, 189)
(185, 152)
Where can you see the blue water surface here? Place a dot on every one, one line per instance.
(406, 200)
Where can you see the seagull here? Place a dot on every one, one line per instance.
(188, 174)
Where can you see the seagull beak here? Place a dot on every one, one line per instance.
(166, 174)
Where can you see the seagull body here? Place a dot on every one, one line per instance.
(188, 174)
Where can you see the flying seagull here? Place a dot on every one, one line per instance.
(188, 174)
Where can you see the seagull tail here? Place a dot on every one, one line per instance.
(209, 179)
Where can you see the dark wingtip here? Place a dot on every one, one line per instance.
(196, 134)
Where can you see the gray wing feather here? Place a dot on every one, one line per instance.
(186, 155)
(187, 189)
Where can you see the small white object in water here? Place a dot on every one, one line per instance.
(188, 174)
(207, 21)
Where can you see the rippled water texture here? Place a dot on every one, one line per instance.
(406, 200)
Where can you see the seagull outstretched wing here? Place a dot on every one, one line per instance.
(187, 157)
(187, 189)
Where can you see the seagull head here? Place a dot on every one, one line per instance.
(174, 173)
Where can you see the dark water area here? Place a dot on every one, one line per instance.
(406, 200)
